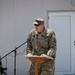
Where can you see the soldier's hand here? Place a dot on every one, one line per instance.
(43, 55)
(29, 54)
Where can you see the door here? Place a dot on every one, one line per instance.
(62, 24)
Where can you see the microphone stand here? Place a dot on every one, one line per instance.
(14, 56)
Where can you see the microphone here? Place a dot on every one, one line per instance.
(28, 40)
(31, 39)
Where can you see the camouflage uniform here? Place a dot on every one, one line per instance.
(42, 43)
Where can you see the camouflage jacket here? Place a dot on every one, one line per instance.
(42, 43)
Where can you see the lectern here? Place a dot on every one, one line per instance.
(37, 60)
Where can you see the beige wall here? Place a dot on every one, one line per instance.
(16, 21)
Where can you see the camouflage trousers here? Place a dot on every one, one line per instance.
(45, 68)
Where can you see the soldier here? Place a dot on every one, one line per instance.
(42, 42)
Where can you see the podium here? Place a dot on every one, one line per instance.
(37, 60)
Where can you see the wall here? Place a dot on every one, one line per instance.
(16, 21)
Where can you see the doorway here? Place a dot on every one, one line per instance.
(62, 23)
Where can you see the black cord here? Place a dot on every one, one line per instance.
(21, 52)
(6, 65)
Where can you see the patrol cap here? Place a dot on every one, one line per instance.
(38, 21)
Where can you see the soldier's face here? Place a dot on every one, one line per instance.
(40, 28)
